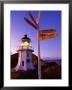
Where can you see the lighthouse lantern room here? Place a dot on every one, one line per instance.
(25, 55)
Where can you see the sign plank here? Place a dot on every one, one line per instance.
(32, 18)
(47, 31)
(44, 37)
(38, 18)
(30, 23)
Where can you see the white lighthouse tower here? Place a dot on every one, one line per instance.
(25, 55)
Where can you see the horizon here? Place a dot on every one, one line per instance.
(42, 57)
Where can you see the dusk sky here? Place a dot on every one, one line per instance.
(49, 19)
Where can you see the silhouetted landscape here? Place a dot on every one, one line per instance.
(50, 69)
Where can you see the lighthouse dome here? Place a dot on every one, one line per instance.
(25, 38)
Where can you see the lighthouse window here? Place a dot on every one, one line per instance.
(22, 63)
(27, 54)
(28, 60)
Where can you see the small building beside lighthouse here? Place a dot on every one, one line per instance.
(25, 55)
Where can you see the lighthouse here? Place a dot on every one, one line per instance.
(25, 55)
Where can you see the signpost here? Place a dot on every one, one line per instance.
(41, 35)
(39, 62)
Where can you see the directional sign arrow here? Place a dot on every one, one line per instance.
(32, 18)
(38, 18)
(47, 31)
(30, 23)
(45, 36)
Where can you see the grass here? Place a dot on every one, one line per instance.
(53, 72)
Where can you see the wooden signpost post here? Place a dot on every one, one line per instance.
(41, 35)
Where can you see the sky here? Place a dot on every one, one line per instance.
(49, 20)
